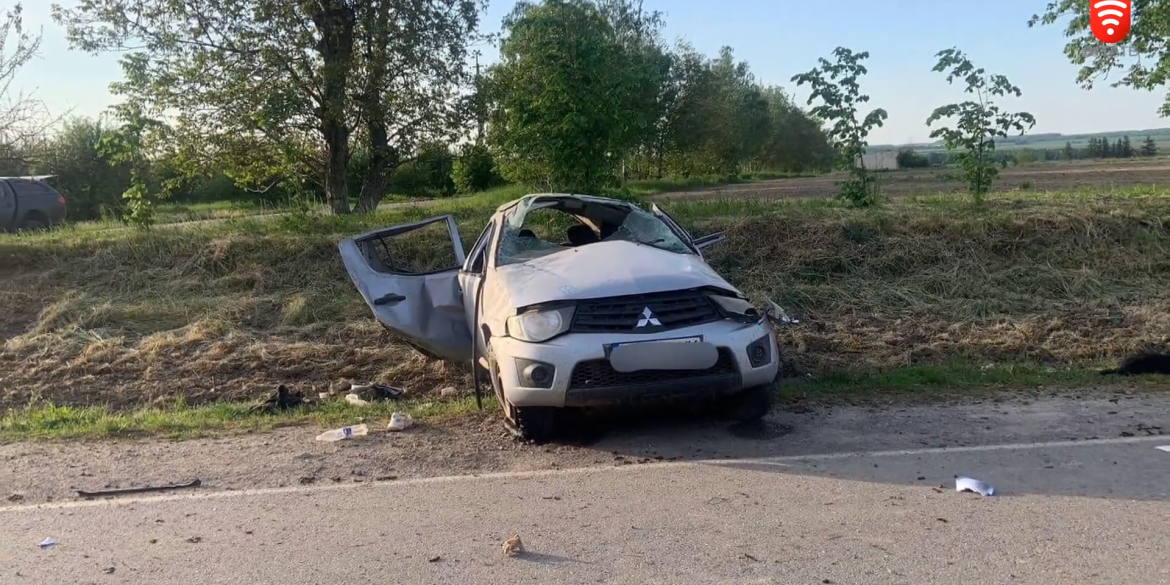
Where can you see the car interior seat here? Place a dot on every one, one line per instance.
(581, 234)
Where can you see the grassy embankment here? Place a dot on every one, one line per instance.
(171, 331)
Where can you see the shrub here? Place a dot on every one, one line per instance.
(475, 170)
(411, 179)
(908, 158)
(435, 162)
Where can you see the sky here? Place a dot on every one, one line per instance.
(779, 39)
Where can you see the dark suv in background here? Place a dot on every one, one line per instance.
(30, 204)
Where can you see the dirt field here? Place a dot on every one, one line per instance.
(1056, 176)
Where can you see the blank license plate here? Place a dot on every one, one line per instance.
(695, 339)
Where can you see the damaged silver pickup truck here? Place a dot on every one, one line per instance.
(623, 308)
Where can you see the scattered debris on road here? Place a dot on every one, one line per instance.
(16, 498)
(513, 546)
(400, 421)
(48, 543)
(138, 490)
(1165, 448)
(435, 559)
(282, 400)
(195, 539)
(344, 433)
(970, 484)
(109, 570)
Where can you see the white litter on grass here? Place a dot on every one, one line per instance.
(1165, 448)
(970, 484)
(400, 421)
(356, 400)
(48, 543)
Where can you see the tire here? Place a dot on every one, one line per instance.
(751, 404)
(34, 224)
(493, 375)
(536, 424)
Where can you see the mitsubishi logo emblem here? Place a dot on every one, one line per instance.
(648, 318)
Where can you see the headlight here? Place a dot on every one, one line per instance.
(538, 326)
(737, 309)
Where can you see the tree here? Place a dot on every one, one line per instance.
(1126, 148)
(1150, 148)
(571, 92)
(1147, 37)
(23, 118)
(978, 122)
(1068, 151)
(267, 76)
(835, 84)
(92, 184)
(796, 141)
(131, 146)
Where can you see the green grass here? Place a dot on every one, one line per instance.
(169, 213)
(180, 421)
(890, 298)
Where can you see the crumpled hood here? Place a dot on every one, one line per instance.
(604, 269)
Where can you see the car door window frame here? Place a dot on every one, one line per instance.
(390, 232)
(479, 250)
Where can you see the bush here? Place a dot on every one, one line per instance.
(411, 179)
(428, 175)
(475, 170)
(908, 158)
(436, 163)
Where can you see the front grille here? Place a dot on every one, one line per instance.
(673, 310)
(599, 374)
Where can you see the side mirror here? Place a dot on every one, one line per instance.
(709, 240)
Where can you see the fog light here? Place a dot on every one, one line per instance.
(759, 352)
(534, 374)
(537, 373)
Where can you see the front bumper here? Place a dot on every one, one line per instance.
(582, 375)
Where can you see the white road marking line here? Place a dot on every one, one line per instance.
(777, 461)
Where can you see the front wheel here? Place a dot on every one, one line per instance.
(534, 423)
(34, 224)
(752, 403)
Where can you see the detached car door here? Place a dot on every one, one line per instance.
(409, 276)
(699, 244)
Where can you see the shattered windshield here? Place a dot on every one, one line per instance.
(540, 227)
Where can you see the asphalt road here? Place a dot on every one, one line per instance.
(1067, 512)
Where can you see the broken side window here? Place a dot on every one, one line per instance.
(520, 242)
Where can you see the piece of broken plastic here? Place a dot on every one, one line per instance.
(400, 421)
(1165, 448)
(48, 543)
(777, 313)
(356, 400)
(344, 433)
(970, 484)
